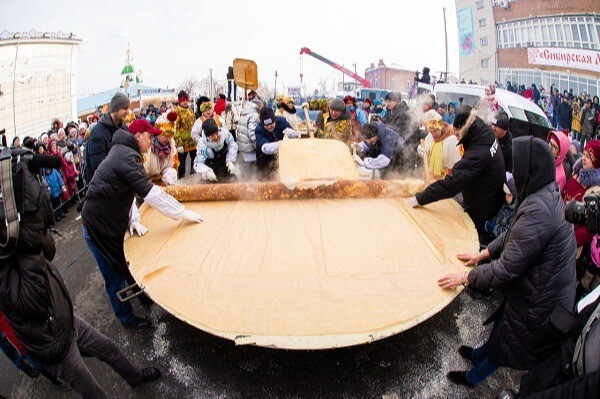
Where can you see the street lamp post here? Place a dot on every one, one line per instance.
(275, 91)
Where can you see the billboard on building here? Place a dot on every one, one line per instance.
(466, 32)
(588, 60)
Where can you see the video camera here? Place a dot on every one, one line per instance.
(586, 212)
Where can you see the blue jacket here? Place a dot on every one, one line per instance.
(264, 137)
(55, 182)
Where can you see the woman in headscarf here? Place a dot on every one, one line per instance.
(440, 146)
(559, 145)
(161, 161)
(287, 110)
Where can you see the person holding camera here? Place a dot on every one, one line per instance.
(585, 180)
(33, 296)
(532, 263)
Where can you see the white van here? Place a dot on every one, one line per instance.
(514, 105)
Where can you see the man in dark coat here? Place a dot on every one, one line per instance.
(505, 138)
(381, 149)
(100, 139)
(533, 263)
(269, 133)
(479, 175)
(106, 212)
(37, 305)
(564, 114)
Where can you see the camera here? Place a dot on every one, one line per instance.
(585, 213)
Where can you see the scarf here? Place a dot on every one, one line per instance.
(218, 146)
(436, 159)
(163, 151)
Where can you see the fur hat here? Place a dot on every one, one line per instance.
(391, 96)
(182, 96)
(349, 99)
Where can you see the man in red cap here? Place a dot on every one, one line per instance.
(108, 212)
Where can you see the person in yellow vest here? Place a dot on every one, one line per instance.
(440, 145)
(183, 132)
(335, 123)
(161, 161)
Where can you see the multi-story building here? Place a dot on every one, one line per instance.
(476, 41)
(37, 81)
(537, 41)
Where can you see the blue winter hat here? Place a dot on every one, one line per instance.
(577, 146)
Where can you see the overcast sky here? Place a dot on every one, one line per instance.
(173, 40)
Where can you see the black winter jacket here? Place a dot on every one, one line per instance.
(99, 144)
(479, 175)
(553, 378)
(533, 262)
(33, 296)
(110, 195)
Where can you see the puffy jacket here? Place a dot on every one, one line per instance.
(55, 182)
(110, 195)
(533, 262)
(479, 175)
(33, 296)
(246, 127)
(263, 136)
(99, 143)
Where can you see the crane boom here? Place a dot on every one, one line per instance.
(363, 81)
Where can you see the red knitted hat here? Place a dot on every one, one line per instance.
(593, 149)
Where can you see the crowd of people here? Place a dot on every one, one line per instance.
(514, 190)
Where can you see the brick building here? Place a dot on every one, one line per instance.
(389, 78)
(535, 41)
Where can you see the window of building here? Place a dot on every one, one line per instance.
(479, 5)
(485, 63)
(571, 32)
(562, 81)
(482, 22)
(483, 41)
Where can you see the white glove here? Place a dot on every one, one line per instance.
(138, 228)
(291, 133)
(210, 175)
(180, 149)
(412, 202)
(358, 160)
(191, 216)
(364, 173)
(304, 104)
(420, 150)
(231, 168)
(169, 176)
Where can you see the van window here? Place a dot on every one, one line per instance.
(528, 116)
(463, 99)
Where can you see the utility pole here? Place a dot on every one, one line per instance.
(446, 39)
(211, 85)
(355, 73)
(275, 91)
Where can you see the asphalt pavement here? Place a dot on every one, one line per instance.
(195, 364)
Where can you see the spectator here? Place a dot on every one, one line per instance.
(588, 122)
(532, 263)
(564, 113)
(535, 94)
(479, 175)
(220, 104)
(161, 162)
(441, 146)
(57, 187)
(287, 110)
(501, 222)
(71, 174)
(16, 142)
(231, 117)
(500, 124)
(559, 145)
(576, 121)
(184, 142)
(510, 87)
(451, 114)
(246, 127)
(335, 124)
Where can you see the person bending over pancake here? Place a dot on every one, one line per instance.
(217, 152)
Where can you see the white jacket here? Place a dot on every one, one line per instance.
(246, 126)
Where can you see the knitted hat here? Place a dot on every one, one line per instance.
(349, 99)
(592, 148)
(501, 121)
(288, 100)
(267, 116)
(118, 102)
(206, 105)
(337, 104)
(509, 186)
(142, 125)
(166, 123)
(182, 96)
(210, 127)
(368, 100)
(433, 121)
(461, 117)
